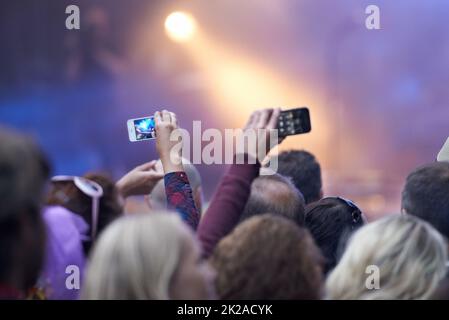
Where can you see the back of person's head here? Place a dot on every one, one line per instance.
(425, 195)
(331, 221)
(442, 291)
(404, 256)
(268, 257)
(68, 195)
(147, 256)
(275, 194)
(24, 171)
(304, 170)
(157, 199)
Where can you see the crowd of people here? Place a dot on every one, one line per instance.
(260, 237)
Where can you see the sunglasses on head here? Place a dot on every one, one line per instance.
(356, 213)
(91, 189)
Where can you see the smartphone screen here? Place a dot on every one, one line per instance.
(294, 121)
(141, 129)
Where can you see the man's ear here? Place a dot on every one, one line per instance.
(321, 194)
(403, 211)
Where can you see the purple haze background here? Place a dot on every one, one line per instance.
(385, 90)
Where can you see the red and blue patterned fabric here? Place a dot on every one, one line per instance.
(180, 198)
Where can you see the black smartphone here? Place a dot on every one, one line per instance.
(294, 121)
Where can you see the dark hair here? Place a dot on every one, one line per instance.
(268, 257)
(24, 171)
(426, 195)
(275, 194)
(304, 170)
(77, 202)
(331, 221)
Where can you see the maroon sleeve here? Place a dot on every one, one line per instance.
(227, 205)
(179, 197)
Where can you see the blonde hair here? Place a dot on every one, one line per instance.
(136, 258)
(409, 254)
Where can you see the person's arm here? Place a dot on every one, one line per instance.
(139, 181)
(180, 198)
(234, 190)
(227, 205)
(177, 186)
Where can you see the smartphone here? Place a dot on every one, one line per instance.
(294, 121)
(141, 129)
(443, 155)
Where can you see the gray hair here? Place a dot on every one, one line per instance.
(136, 258)
(408, 252)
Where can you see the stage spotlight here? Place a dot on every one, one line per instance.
(180, 26)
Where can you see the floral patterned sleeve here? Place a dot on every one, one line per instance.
(180, 198)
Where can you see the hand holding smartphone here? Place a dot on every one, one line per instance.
(141, 129)
(291, 122)
(294, 121)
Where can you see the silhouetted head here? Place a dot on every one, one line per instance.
(304, 170)
(425, 195)
(24, 171)
(331, 221)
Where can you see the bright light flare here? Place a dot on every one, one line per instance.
(180, 26)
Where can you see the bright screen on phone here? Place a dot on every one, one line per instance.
(144, 128)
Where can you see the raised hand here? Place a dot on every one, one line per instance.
(260, 126)
(140, 180)
(169, 149)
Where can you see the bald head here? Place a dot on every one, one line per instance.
(275, 194)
